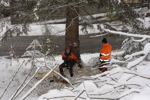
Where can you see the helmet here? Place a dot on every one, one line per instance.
(68, 47)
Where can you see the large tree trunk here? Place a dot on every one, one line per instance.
(72, 29)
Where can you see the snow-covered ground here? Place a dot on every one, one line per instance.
(20, 68)
(117, 83)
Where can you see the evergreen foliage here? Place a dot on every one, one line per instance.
(12, 52)
(34, 50)
(129, 46)
(49, 47)
(41, 10)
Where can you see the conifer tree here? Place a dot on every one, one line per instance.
(26, 11)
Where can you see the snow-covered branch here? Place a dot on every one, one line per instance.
(129, 92)
(99, 35)
(25, 84)
(79, 95)
(12, 79)
(136, 74)
(60, 76)
(63, 97)
(21, 84)
(126, 34)
(144, 52)
(24, 96)
(136, 62)
(143, 39)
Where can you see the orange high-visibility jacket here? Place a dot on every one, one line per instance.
(71, 56)
(105, 52)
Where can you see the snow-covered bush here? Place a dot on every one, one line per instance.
(49, 48)
(137, 57)
(130, 46)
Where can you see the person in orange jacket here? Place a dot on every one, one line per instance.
(105, 54)
(69, 60)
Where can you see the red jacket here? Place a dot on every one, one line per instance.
(71, 56)
(105, 52)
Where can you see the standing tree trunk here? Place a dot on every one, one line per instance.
(72, 28)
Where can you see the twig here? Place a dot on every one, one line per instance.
(62, 97)
(128, 94)
(130, 78)
(137, 75)
(79, 95)
(101, 93)
(99, 35)
(100, 98)
(147, 85)
(85, 90)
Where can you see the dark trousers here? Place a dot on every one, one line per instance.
(68, 65)
(103, 63)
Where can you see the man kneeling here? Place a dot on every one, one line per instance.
(69, 60)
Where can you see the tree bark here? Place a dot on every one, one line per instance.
(72, 28)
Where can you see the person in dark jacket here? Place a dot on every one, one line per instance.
(69, 60)
(105, 54)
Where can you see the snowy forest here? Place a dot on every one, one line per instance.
(31, 72)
